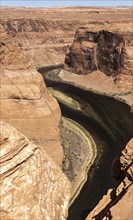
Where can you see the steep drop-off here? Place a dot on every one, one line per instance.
(100, 52)
(117, 204)
(45, 34)
(24, 100)
(95, 112)
(32, 186)
(99, 101)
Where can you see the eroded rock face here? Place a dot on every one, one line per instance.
(101, 50)
(26, 105)
(118, 203)
(110, 53)
(41, 41)
(32, 186)
(12, 56)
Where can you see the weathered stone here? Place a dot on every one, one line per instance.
(27, 105)
(101, 50)
(12, 56)
(32, 186)
(118, 203)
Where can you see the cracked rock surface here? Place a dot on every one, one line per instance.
(105, 50)
(32, 186)
(27, 105)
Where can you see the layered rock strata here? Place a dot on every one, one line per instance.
(100, 52)
(11, 56)
(106, 108)
(103, 50)
(26, 105)
(118, 203)
(32, 186)
(44, 34)
(37, 39)
(25, 102)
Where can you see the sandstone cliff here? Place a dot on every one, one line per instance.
(32, 186)
(39, 37)
(44, 34)
(26, 104)
(103, 49)
(42, 41)
(118, 203)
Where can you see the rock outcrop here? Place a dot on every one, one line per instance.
(27, 105)
(32, 186)
(44, 34)
(25, 102)
(36, 39)
(118, 203)
(11, 56)
(101, 50)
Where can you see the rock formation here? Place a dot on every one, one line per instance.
(32, 186)
(101, 54)
(11, 56)
(111, 116)
(98, 50)
(34, 38)
(25, 102)
(44, 34)
(118, 203)
(26, 105)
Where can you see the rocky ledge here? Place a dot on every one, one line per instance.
(32, 186)
(24, 100)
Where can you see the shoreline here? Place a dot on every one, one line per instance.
(92, 152)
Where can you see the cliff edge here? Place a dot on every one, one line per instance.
(32, 186)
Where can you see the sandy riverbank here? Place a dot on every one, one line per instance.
(80, 153)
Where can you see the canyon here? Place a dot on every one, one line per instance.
(66, 86)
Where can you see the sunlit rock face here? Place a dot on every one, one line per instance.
(101, 50)
(32, 186)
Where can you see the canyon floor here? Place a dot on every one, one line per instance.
(66, 86)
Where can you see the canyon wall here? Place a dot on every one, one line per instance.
(27, 105)
(118, 203)
(32, 186)
(103, 61)
(45, 34)
(102, 50)
(39, 38)
(34, 37)
(25, 102)
(99, 50)
(110, 121)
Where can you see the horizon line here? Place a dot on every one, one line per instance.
(71, 6)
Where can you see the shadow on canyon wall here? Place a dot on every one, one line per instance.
(111, 133)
